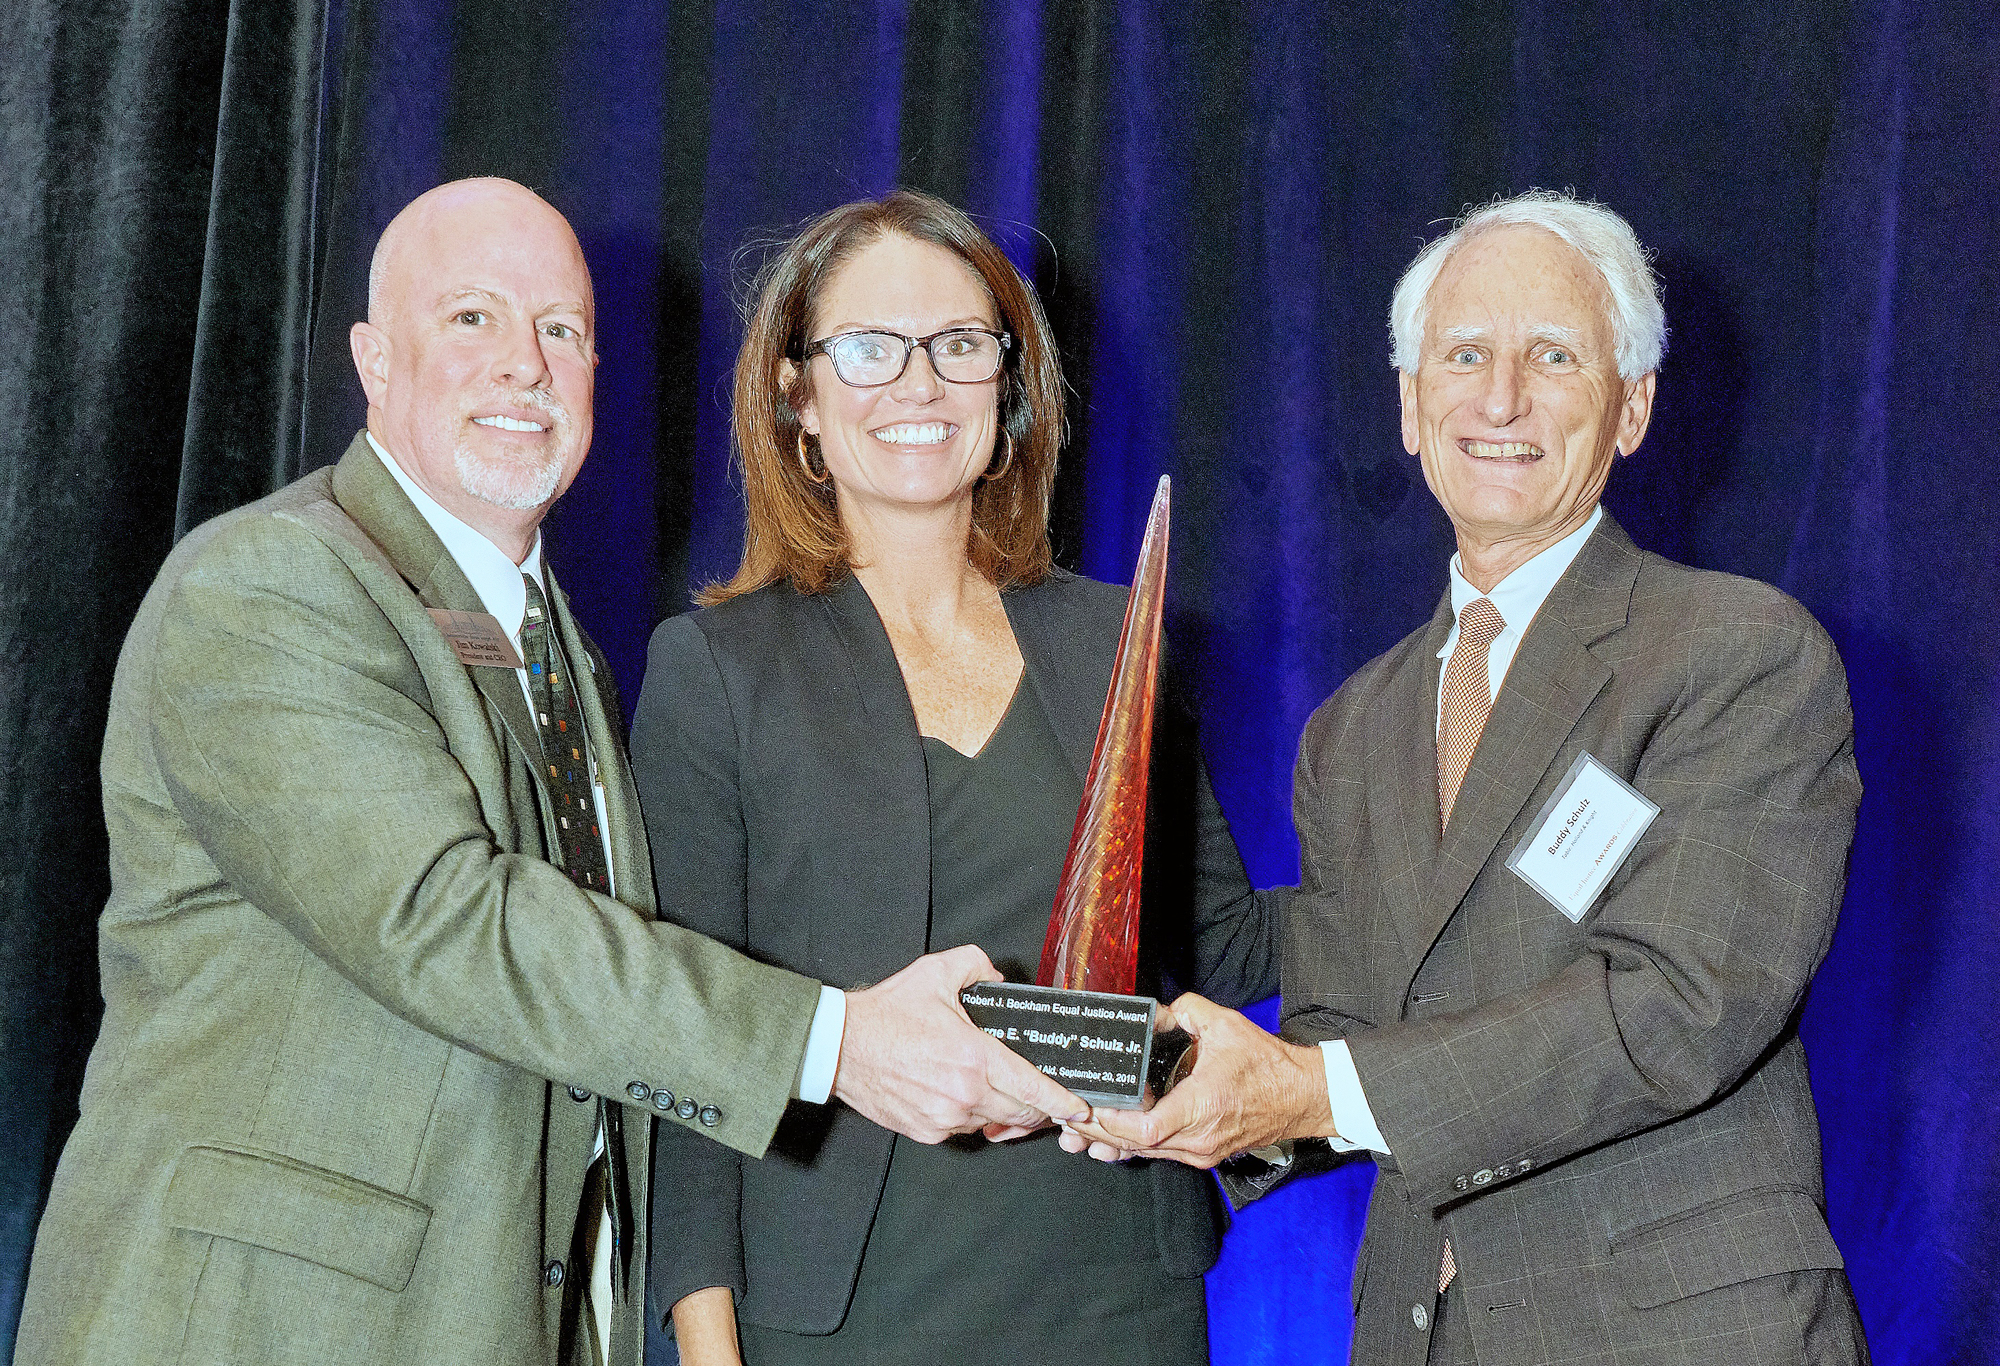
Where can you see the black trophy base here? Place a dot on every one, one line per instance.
(1099, 1046)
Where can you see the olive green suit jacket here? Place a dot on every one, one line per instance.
(332, 1115)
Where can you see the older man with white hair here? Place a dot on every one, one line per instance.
(1571, 852)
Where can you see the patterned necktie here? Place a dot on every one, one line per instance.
(606, 1206)
(561, 727)
(1462, 713)
(1467, 700)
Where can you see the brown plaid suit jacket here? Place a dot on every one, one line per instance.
(1611, 1119)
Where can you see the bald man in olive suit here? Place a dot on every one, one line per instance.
(388, 1012)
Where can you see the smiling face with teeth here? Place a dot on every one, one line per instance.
(478, 356)
(1516, 409)
(918, 444)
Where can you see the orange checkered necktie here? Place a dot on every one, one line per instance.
(1462, 713)
(1467, 699)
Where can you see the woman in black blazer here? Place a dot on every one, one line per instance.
(872, 743)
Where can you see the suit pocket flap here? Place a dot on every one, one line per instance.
(303, 1211)
(1724, 1242)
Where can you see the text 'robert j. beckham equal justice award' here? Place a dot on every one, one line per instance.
(1080, 1023)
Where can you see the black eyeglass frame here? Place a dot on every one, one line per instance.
(824, 346)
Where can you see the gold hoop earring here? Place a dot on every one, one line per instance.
(1007, 460)
(805, 463)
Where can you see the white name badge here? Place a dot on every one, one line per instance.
(1582, 836)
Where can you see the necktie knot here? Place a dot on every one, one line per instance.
(537, 611)
(1481, 622)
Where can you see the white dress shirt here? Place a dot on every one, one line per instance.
(497, 581)
(1517, 598)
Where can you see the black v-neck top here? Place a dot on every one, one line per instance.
(1004, 1253)
(1000, 827)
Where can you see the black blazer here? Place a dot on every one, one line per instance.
(784, 789)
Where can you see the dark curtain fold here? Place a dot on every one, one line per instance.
(108, 120)
(244, 430)
(1214, 200)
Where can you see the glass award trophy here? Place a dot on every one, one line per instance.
(1080, 1022)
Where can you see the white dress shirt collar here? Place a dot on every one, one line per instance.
(1517, 597)
(494, 577)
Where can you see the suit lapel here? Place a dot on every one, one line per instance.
(503, 690)
(877, 678)
(1058, 675)
(1553, 679)
(1402, 786)
(369, 494)
(890, 781)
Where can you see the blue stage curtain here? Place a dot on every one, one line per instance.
(1215, 200)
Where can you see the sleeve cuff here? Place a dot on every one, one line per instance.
(822, 1057)
(1352, 1115)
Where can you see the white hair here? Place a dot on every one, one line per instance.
(1638, 322)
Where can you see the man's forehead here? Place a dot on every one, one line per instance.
(1524, 280)
(1542, 329)
(554, 299)
(490, 235)
(535, 272)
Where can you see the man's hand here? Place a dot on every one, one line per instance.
(911, 1061)
(1248, 1089)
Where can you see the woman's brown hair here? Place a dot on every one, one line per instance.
(792, 526)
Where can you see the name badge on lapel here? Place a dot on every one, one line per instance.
(476, 638)
(1582, 836)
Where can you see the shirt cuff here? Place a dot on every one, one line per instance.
(822, 1057)
(1352, 1115)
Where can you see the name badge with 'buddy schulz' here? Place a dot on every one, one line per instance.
(476, 638)
(1582, 836)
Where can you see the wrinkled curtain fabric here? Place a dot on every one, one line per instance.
(1214, 200)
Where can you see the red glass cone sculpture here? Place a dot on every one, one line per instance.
(1093, 940)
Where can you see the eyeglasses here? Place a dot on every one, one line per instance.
(963, 355)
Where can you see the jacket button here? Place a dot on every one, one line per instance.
(579, 1094)
(1419, 1317)
(687, 1109)
(1461, 1184)
(663, 1099)
(552, 1274)
(1523, 1165)
(639, 1091)
(1482, 1176)
(711, 1116)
